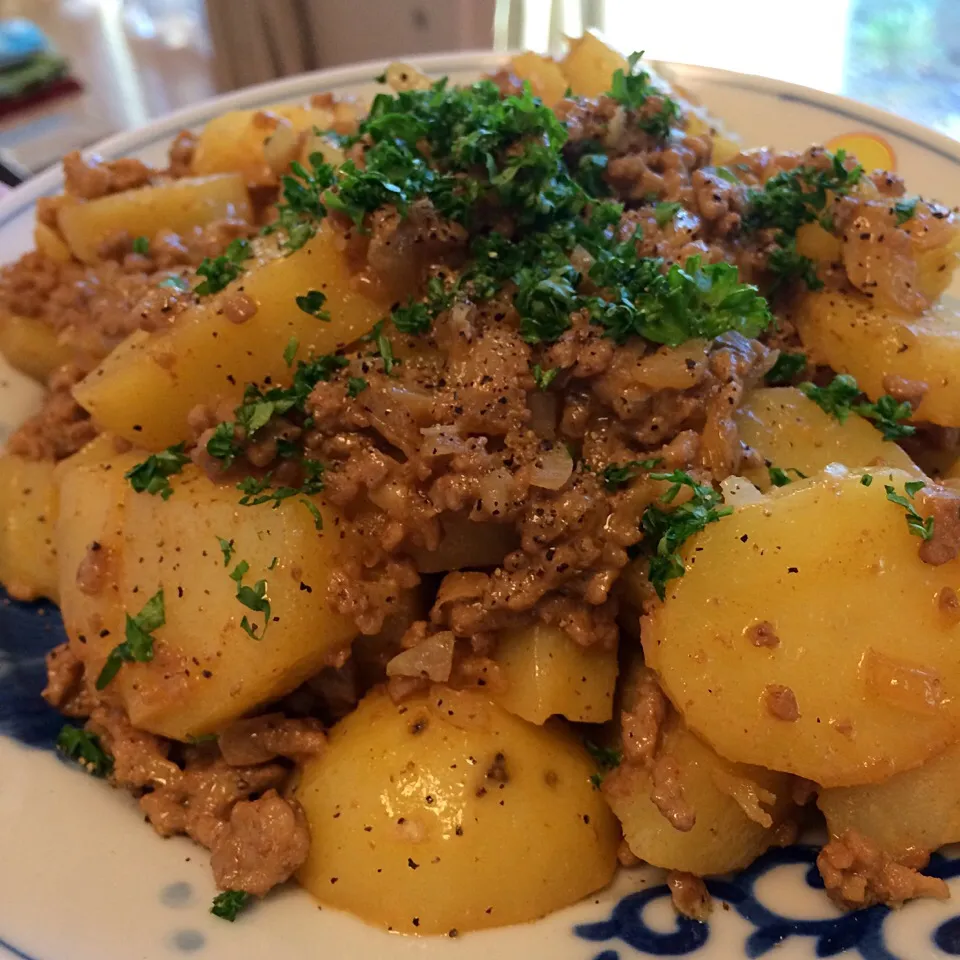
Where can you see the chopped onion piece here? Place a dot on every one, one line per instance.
(739, 492)
(433, 659)
(552, 469)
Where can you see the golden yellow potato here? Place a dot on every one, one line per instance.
(31, 346)
(790, 431)
(28, 512)
(207, 668)
(50, 243)
(446, 812)
(235, 141)
(178, 205)
(545, 672)
(808, 636)
(546, 78)
(913, 812)
(851, 335)
(145, 388)
(590, 64)
(737, 807)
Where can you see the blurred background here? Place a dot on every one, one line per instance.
(73, 71)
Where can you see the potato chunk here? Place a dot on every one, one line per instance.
(145, 388)
(207, 668)
(31, 346)
(790, 431)
(590, 64)
(545, 672)
(546, 78)
(178, 205)
(808, 636)
(28, 512)
(737, 807)
(914, 812)
(447, 812)
(851, 335)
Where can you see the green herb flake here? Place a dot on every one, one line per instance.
(786, 369)
(543, 378)
(669, 529)
(141, 245)
(138, 643)
(180, 284)
(86, 749)
(223, 444)
(617, 475)
(227, 905)
(904, 210)
(356, 386)
(606, 759)
(383, 346)
(290, 351)
(725, 173)
(664, 212)
(253, 598)
(220, 271)
(866, 480)
(916, 524)
(780, 477)
(226, 548)
(312, 303)
(151, 476)
(839, 399)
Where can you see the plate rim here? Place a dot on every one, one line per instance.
(50, 180)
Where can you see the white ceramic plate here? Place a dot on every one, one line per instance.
(82, 878)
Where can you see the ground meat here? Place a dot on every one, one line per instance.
(667, 794)
(689, 895)
(181, 154)
(781, 702)
(640, 726)
(60, 428)
(261, 846)
(857, 873)
(261, 739)
(943, 504)
(904, 390)
(91, 177)
(140, 759)
(763, 634)
(93, 569)
(65, 689)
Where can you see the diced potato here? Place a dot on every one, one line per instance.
(590, 64)
(31, 346)
(807, 635)
(913, 812)
(546, 78)
(178, 205)
(467, 545)
(545, 672)
(726, 144)
(28, 512)
(50, 243)
(789, 430)
(737, 808)
(234, 141)
(447, 812)
(851, 335)
(207, 669)
(145, 388)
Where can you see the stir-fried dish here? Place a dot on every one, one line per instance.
(452, 497)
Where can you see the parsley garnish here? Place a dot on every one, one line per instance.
(543, 378)
(228, 904)
(417, 317)
(780, 478)
(253, 598)
(606, 758)
(616, 475)
(786, 369)
(384, 348)
(152, 475)
(356, 386)
(226, 548)
(219, 271)
(866, 480)
(180, 284)
(671, 528)
(904, 210)
(838, 399)
(916, 524)
(664, 212)
(786, 264)
(301, 209)
(223, 444)
(312, 303)
(141, 245)
(85, 748)
(256, 492)
(290, 351)
(138, 643)
(545, 303)
(591, 168)
(632, 88)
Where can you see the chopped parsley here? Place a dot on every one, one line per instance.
(543, 378)
(839, 399)
(226, 548)
(904, 210)
(785, 264)
(85, 748)
(227, 905)
(180, 284)
(356, 386)
(916, 524)
(417, 317)
(780, 477)
(301, 209)
(253, 598)
(669, 529)
(152, 475)
(617, 475)
(256, 492)
(786, 369)
(223, 444)
(290, 351)
(138, 643)
(606, 759)
(633, 88)
(664, 212)
(383, 346)
(220, 271)
(866, 480)
(141, 245)
(312, 303)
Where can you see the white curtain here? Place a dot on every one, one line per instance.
(258, 40)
